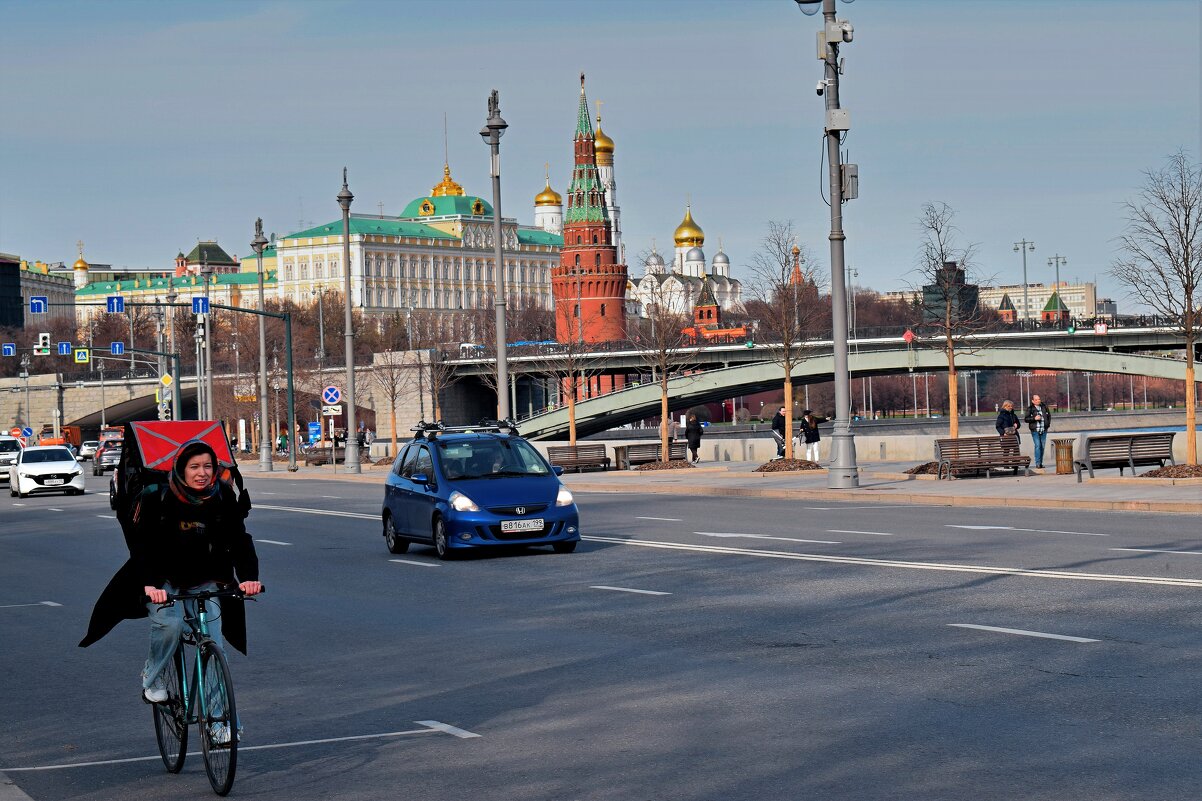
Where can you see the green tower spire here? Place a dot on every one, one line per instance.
(586, 198)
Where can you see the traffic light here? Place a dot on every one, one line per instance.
(43, 348)
(1072, 329)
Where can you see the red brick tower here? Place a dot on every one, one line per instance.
(589, 285)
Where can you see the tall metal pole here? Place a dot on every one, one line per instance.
(843, 472)
(291, 394)
(210, 409)
(258, 244)
(494, 128)
(1025, 247)
(1056, 261)
(351, 458)
(25, 375)
(177, 413)
(103, 422)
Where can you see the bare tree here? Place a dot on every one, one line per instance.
(666, 347)
(952, 319)
(393, 374)
(784, 284)
(1160, 261)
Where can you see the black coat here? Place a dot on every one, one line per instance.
(809, 430)
(1041, 409)
(692, 433)
(1006, 418)
(778, 423)
(150, 562)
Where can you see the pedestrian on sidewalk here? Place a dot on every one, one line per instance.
(692, 433)
(1007, 420)
(809, 432)
(1039, 419)
(778, 431)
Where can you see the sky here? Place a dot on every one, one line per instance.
(143, 127)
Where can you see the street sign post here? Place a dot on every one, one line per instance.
(117, 348)
(9, 349)
(200, 305)
(39, 304)
(114, 304)
(82, 355)
(331, 394)
(64, 349)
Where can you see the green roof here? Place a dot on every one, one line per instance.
(375, 225)
(1054, 304)
(209, 253)
(537, 236)
(448, 206)
(181, 282)
(1006, 304)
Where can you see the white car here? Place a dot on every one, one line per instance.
(45, 468)
(88, 449)
(10, 449)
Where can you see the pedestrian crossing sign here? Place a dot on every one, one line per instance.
(82, 355)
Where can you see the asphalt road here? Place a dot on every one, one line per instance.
(692, 648)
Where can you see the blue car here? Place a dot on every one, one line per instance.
(468, 489)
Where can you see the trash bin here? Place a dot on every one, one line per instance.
(1064, 456)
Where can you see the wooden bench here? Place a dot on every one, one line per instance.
(322, 455)
(974, 454)
(579, 456)
(1126, 450)
(645, 452)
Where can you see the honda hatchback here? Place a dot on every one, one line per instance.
(468, 488)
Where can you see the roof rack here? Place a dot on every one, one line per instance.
(424, 430)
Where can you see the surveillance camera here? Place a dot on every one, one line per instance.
(820, 88)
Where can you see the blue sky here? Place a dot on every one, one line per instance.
(142, 127)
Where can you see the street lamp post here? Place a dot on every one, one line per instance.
(1025, 247)
(177, 413)
(24, 374)
(159, 316)
(843, 472)
(103, 422)
(321, 329)
(491, 133)
(206, 270)
(1056, 261)
(258, 244)
(351, 454)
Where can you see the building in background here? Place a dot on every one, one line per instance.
(950, 285)
(206, 255)
(680, 288)
(36, 279)
(1106, 309)
(1079, 299)
(12, 312)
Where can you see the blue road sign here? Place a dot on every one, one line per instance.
(10, 348)
(39, 304)
(200, 305)
(27, 431)
(117, 348)
(114, 304)
(314, 432)
(331, 395)
(82, 355)
(64, 349)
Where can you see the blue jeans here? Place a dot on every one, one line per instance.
(1039, 439)
(167, 624)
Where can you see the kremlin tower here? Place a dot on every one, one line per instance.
(589, 285)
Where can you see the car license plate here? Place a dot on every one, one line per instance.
(54, 482)
(522, 525)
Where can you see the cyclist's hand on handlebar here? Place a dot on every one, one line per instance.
(250, 588)
(155, 594)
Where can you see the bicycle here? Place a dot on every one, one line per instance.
(205, 696)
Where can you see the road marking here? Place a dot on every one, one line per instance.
(874, 506)
(665, 519)
(936, 566)
(53, 509)
(261, 492)
(273, 542)
(430, 727)
(39, 603)
(1021, 632)
(108, 517)
(306, 511)
(1157, 550)
(626, 589)
(411, 562)
(331, 497)
(1035, 530)
(18, 504)
(873, 533)
(763, 537)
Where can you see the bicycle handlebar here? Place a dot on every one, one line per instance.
(204, 595)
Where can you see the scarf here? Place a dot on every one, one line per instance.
(182, 492)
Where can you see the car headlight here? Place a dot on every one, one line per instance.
(462, 503)
(564, 498)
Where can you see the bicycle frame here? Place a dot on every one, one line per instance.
(193, 696)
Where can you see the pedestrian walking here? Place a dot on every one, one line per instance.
(1039, 420)
(809, 432)
(1007, 420)
(778, 431)
(692, 433)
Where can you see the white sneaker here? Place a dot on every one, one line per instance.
(219, 733)
(154, 695)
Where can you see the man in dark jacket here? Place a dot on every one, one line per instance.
(778, 431)
(1039, 420)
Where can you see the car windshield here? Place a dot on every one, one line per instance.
(52, 455)
(9, 445)
(490, 457)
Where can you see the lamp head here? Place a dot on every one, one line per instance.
(259, 242)
(495, 125)
(345, 197)
(809, 7)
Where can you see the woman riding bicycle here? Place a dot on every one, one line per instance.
(189, 535)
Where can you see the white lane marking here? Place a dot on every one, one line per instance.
(261, 492)
(304, 510)
(411, 562)
(462, 734)
(1034, 530)
(19, 504)
(856, 560)
(626, 589)
(873, 533)
(108, 517)
(431, 727)
(38, 603)
(1157, 550)
(272, 542)
(762, 537)
(53, 509)
(331, 497)
(1022, 632)
(665, 519)
(873, 506)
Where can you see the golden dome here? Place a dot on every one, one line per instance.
(80, 264)
(448, 186)
(688, 233)
(548, 197)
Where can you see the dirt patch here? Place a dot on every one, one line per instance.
(925, 469)
(385, 462)
(675, 464)
(1175, 471)
(787, 465)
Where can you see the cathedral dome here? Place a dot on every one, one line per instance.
(603, 146)
(688, 233)
(80, 264)
(694, 254)
(448, 186)
(654, 260)
(548, 197)
(721, 258)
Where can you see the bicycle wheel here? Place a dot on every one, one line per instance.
(218, 718)
(170, 718)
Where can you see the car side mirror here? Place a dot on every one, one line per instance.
(558, 468)
(420, 478)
